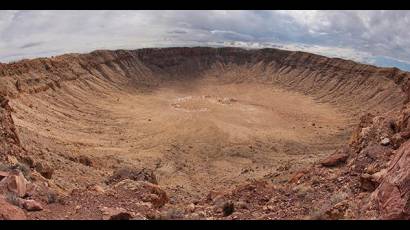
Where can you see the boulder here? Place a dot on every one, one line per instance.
(9, 211)
(337, 158)
(15, 183)
(115, 214)
(30, 205)
(44, 169)
(385, 141)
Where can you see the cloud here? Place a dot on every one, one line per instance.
(356, 35)
(231, 35)
(31, 44)
(177, 32)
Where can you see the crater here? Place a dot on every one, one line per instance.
(200, 118)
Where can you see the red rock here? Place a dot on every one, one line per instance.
(115, 214)
(296, 177)
(393, 195)
(3, 175)
(337, 158)
(44, 169)
(9, 211)
(16, 183)
(30, 205)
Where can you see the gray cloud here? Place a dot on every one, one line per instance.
(31, 44)
(367, 36)
(177, 32)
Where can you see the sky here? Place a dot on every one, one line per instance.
(374, 37)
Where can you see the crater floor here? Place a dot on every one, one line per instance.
(196, 135)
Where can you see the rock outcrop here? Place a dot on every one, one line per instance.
(337, 158)
(392, 196)
(9, 141)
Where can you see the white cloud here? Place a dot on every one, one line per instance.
(356, 35)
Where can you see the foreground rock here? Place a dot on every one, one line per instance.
(9, 140)
(30, 205)
(392, 197)
(9, 211)
(14, 183)
(115, 214)
(337, 158)
(127, 199)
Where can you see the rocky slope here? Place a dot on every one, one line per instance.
(367, 178)
(329, 79)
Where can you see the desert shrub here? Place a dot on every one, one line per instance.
(23, 168)
(319, 212)
(12, 198)
(4, 167)
(52, 198)
(338, 197)
(132, 174)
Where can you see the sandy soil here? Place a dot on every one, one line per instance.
(197, 136)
